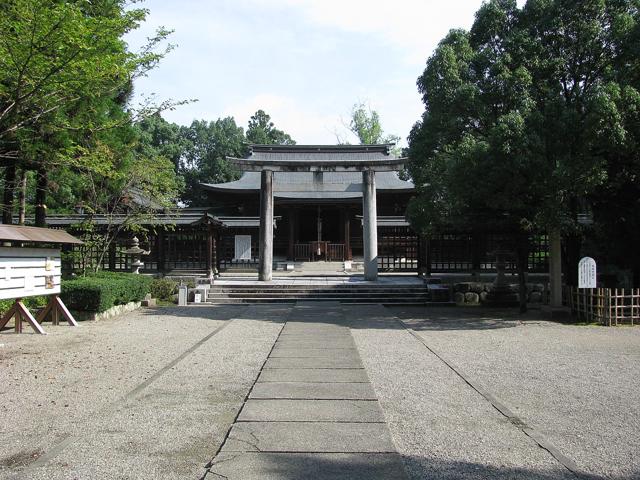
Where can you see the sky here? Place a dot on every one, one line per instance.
(305, 62)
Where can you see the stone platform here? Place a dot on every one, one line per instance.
(344, 289)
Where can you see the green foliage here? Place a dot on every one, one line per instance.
(100, 291)
(365, 124)
(524, 113)
(32, 303)
(262, 131)
(66, 77)
(163, 288)
(206, 146)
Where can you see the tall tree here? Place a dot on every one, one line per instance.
(63, 70)
(365, 124)
(262, 131)
(207, 144)
(517, 113)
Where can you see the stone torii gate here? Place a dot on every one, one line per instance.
(369, 210)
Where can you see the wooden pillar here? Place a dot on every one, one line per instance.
(347, 234)
(292, 234)
(214, 251)
(423, 256)
(370, 224)
(210, 264)
(475, 254)
(265, 271)
(555, 269)
(112, 255)
(161, 250)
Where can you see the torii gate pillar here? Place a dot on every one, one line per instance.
(370, 225)
(265, 268)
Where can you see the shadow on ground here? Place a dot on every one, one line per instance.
(296, 466)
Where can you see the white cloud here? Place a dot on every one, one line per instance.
(304, 123)
(415, 26)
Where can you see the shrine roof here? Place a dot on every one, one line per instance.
(177, 217)
(313, 158)
(314, 185)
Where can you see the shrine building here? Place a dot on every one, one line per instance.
(299, 207)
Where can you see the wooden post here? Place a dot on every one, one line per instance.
(292, 234)
(56, 307)
(20, 312)
(209, 251)
(348, 254)
(112, 255)
(555, 269)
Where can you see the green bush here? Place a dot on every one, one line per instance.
(163, 288)
(100, 291)
(32, 304)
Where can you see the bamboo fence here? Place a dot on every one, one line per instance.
(608, 306)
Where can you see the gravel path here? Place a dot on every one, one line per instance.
(88, 385)
(153, 394)
(443, 428)
(578, 386)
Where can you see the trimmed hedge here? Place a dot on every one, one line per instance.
(163, 288)
(100, 291)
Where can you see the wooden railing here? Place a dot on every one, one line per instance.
(302, 251)
(331, 252)
(608, 306)
(335, 252)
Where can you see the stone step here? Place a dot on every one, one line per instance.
(319, 290)
(368, 301)
(316, 294)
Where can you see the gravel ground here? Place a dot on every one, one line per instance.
(77, 384)
(443, 428)
(152, 394)
(579, 386)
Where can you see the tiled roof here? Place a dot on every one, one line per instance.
(313, 185)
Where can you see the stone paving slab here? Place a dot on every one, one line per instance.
(289, 352)
(316, 466)
(311, 411)
(348, 375)
(336, 362)
(335, 343)
(318, 335)
(309, 437)
(335, 391)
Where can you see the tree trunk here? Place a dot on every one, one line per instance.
(522, 253)
(41, 197)
(9, 189)
(22, 197)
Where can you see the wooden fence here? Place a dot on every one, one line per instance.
(608, 306)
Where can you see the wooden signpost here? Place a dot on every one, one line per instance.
(32, 271)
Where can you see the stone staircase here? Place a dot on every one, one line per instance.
(398, 292)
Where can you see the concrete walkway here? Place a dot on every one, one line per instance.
(312, 412)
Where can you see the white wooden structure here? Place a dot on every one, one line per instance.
(32, 271)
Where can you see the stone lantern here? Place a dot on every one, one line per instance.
(136, 252)
(501, 293)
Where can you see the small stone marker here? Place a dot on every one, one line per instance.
(587, 277)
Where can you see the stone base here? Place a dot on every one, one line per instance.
(112, 312)
(556, 313)
(502, 297)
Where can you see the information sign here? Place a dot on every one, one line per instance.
(587, 277)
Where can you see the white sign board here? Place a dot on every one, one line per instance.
(587, 273)
(243, 247)
(26, 272)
